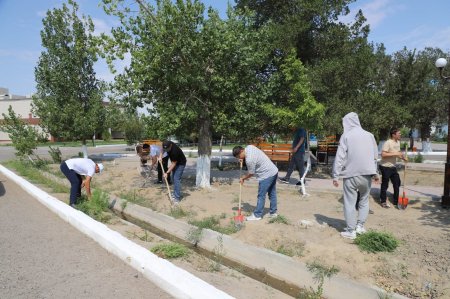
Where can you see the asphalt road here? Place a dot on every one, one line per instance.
(41, 256)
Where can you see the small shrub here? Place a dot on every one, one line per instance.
(279, 219)
(418, 158)
(320, 272)
(170, 250)
(96, 206)
(55, 153)
(376, 242)
(178, 212)
(195, 235)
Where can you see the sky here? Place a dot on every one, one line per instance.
(414, 24)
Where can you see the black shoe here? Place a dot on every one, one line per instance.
(298, 183)
(158, 182)
(284, 180)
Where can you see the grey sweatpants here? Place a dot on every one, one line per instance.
(352, 185)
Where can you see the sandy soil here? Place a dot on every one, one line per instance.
(419, 268)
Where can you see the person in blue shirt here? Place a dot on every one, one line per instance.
(298, 155)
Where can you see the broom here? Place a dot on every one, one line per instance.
(403, 200)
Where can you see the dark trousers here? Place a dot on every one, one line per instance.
(389, 173)
(297, 162)
(75, 182)
(165, 162)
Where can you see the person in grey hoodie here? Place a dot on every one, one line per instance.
(356, 163)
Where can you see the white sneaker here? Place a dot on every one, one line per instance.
(252, 217)
(274, 215)
(360, 229)
(349, 234)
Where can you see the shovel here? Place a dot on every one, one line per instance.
(403, 200)
(169, 197)
(239, 219)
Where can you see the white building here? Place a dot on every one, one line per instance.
(22, 108)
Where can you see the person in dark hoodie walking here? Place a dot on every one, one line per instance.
(356, 163)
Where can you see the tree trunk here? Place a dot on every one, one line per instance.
(425, 131)
(84, 149)
(203, 176)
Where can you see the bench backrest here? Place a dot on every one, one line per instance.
(278, 152)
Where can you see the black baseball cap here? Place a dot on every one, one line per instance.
(166, 145)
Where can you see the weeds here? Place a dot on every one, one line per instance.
(55, 153)
(96, 206)
(34, 174)
(218, 254)
(178, 212)
(194, 235)
(373, 241)
(279, 219)
(289, 248)
(146, 237)
(170, 250)
(131, 196)
(213, 223)
(320, 272)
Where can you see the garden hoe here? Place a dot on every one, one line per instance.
(403, 200)
(169, 194)
(239, 219)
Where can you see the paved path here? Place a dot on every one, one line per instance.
(41, 256)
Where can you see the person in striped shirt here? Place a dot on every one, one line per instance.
(260, 166)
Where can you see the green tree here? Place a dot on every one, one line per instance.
(205, 74)
(23, 136)
(69, 97)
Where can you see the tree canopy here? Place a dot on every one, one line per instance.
(65, 77)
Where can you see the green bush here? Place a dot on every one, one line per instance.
(55, 153)
(418, 158)
(170, 250)
(373, 241)
(96, 206)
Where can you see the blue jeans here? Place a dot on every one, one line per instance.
(177, 173)
(75, 182)
(268, 186)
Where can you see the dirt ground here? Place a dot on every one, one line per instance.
(419, 268)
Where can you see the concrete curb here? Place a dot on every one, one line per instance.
(175, 281)
(256, 262)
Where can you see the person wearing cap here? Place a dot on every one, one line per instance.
(178, 163)
(73, 169)
(260, 166)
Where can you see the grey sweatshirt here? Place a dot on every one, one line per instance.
(357, 153)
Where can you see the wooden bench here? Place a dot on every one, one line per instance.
(326, 148)
(277, 152)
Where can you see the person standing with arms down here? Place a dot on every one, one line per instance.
(298, 156)
(260, 166)
(389, 154)
(178, 163)
(355, 161)
(73, 169)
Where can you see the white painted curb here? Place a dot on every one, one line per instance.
(175, 281)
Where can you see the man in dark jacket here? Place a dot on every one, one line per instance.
(178, 163)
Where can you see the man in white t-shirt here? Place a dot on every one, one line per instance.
(73, 169)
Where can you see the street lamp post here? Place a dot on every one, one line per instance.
(440, 64)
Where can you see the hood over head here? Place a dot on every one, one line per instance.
(350, 121)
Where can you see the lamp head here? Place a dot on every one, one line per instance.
(441, 63)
